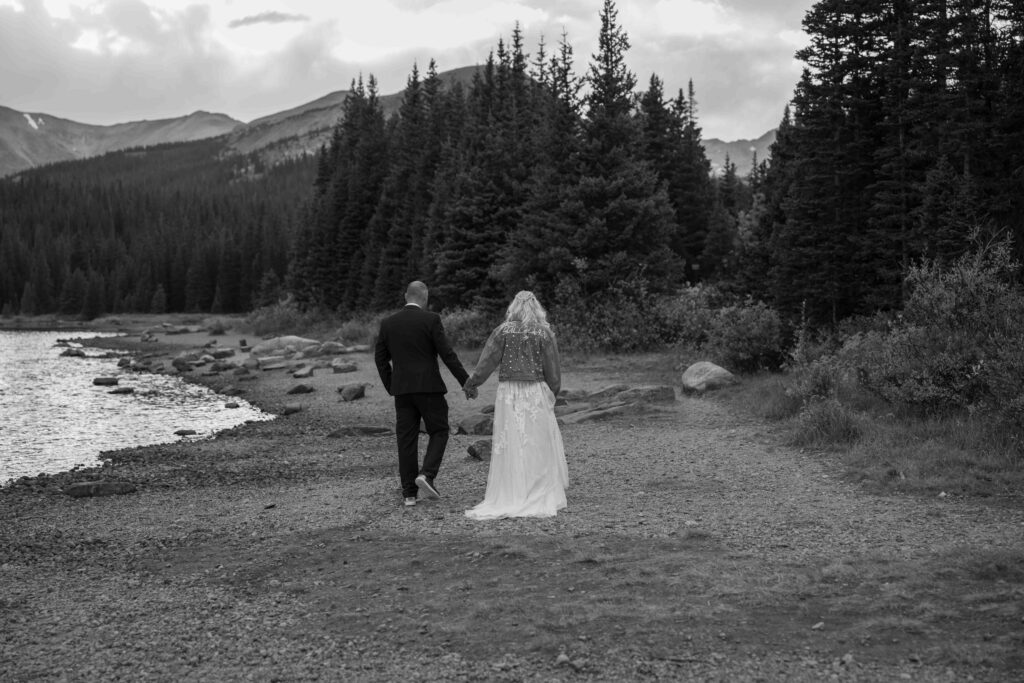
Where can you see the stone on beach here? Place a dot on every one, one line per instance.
(291, 409)
(303, 372)
(105, 381)
(704, 375)
(86, 489)
(351, 392)
(476, 424)
(185, 432)
(360, 430)
(280, 345)
(301, 389)
(480, 450)
(122, 390)
(339, 366)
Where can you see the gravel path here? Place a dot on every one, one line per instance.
(695, 547)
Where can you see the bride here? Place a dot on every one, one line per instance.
(528, 473)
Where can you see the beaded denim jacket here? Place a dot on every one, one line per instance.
(521, 352)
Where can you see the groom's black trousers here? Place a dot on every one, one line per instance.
(409, 410)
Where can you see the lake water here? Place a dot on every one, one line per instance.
(52, 416)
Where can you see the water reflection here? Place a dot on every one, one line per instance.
(52, 416)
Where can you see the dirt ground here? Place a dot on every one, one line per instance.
(695, 547)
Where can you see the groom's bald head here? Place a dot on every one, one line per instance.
(416, 293)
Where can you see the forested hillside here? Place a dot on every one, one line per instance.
(172, 227)
(904, 140)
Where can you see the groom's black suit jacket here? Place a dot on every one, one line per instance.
(406, 353)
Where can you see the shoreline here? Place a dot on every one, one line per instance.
(695, 547)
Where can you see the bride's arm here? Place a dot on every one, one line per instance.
(552, 363)
(490, 357)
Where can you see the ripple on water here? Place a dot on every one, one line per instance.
(52, 417)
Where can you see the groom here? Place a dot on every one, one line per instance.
(406, 353)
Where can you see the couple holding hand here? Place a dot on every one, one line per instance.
(528, 472)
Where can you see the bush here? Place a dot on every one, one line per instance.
(746, 337)
(957, 343)
(685, 317)
(826, 423)
(469, 328)
(622, 318)
(360, 330)
(281, 318)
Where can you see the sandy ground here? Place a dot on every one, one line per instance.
(695, 547)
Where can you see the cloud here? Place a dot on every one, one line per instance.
(268, 18)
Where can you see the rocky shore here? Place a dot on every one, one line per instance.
(696, 546)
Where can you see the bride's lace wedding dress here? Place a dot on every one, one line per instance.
(528, 472)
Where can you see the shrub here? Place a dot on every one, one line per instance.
(746, 337)
(826, 423)
(685, 317)
(957, 343)
(468, 328)
(817, 380)
(281, 318)
(622, 318)
(359, 330)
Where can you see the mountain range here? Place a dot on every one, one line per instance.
(28, 140)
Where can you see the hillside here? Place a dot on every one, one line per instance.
(28, 140)
(739, 152)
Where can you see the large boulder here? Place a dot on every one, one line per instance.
(285, 344)
(704, 375)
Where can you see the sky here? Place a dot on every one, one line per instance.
(112, 61)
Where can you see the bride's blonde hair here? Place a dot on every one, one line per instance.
(525, 308)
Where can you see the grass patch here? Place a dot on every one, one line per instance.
(957, 453)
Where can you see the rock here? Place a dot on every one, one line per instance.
(648, 394)
(73, 353)
(339, 366)
(220, 354)
(480, 450)
(241, 370)
(704, 375)
(251, 363)
(602, 413)
(607, 392)
(278, 344)
(488, 410)
(574, 394)
(476, 424)
(124, 362)
(105, 381)
(303, 372)
(242, 343)
(351, 392)
(186, 432)
(358, 348)
(274, 366)
(85, 489)
(122, 390)
(360, 430)
(291, 409)
(331, 348)
(230, 405)
(301, 389)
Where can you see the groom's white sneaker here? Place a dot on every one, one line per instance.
(427, 487)
(409, 502)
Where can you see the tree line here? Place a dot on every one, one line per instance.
(176, 227)
(903, 142)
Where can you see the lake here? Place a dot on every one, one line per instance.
(52, 416)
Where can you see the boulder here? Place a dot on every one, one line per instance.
(476, 424)
(339, 366)
(304, 372)
(607, 392)
(360, 430)
(648, 394)
(704, 375)
(331, 348)
(480, 450)
(351, 392)
(85, 489)
(301, 389)
(105, 381)
(289, 343)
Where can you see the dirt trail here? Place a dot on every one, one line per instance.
(695, 547)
